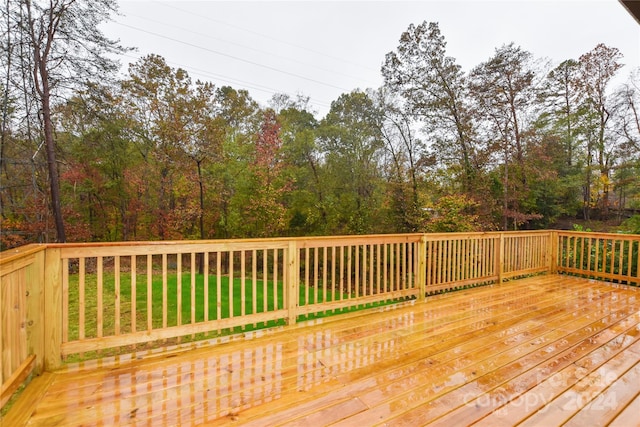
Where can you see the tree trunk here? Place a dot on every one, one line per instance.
(5, 111)
(40, 62)
(606, 189)
(201, 185)
(200, 257)
(587, 195)
(569, 141)
(52, 164)
(505, 201)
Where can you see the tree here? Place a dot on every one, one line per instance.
(626, 130)
(405, 161)
(597, 68)
(627, 109)
(282, 101)
(454, 213)
(504, 91)
(264, 211)
(560, 101)
(205, 136)
(161, 103)
(558, 126)
(351, 144)
(435, 89)
(239, 114)
(303, 161)
(93, 130)
(67, 46)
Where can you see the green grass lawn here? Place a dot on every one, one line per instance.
(274, 300)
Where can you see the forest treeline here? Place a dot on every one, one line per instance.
(88, 154)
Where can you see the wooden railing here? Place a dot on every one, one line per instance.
(612, 257)
(21, 317)
(99, 296)
(456, 260)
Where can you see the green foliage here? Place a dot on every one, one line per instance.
(350, 142)
(631, 225)
(454, 213)
(580, 227)
(156, 155)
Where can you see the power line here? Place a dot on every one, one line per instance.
(264, 36)
(234, 57)
(230, 80)
(275, 55)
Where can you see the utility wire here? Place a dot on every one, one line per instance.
(263, 35)
(233, 57)
(231, 80)
(275, 55)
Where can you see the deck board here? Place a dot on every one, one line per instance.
(546, 350)
(629, 415)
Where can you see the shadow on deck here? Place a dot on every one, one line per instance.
(546, 350)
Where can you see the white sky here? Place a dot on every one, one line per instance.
(325, 48)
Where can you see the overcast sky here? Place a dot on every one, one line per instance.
(325, 48)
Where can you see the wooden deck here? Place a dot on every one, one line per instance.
(549, 350)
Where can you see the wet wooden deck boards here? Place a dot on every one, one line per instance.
(542, 351)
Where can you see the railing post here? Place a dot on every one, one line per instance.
(292, 282)
(500, 258)
(553, 250)
(52, 309)
(35, 309)
(422, 267)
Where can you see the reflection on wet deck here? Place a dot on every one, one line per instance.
(546, 351)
